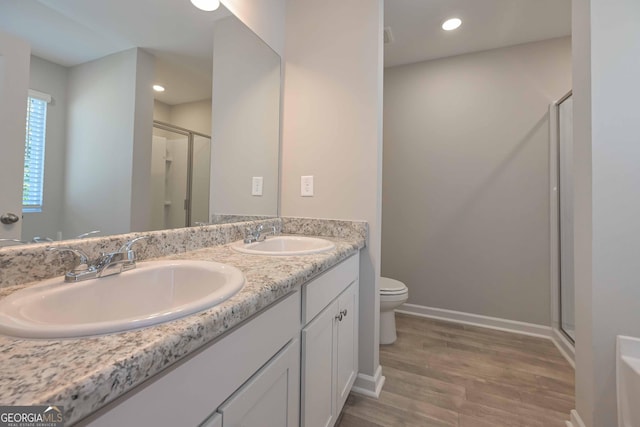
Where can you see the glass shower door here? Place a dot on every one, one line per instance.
(567, 289)
(169, 171)
(180, 177)
(200, 179)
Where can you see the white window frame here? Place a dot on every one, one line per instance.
(36, 200)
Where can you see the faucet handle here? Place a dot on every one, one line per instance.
(87, 234)
(39, 239)
(127, 246)
(84, 258)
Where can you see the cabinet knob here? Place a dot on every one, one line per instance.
(339, 317)
(344, 312)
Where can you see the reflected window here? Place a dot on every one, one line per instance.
(36, 128)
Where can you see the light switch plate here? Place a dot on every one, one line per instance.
(256, 186)
(306, 186)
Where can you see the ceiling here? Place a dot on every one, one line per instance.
(486, 24)
(72, 32)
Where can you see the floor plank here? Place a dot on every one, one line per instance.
(447, 374)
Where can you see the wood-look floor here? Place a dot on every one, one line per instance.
(446, 374)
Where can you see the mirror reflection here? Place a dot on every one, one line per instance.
(119, 156)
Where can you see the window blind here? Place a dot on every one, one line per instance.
(34, 152)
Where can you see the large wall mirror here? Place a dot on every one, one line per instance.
(120, 156)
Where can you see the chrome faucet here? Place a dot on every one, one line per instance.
(258, 234)
(106, 264)
(82, 271)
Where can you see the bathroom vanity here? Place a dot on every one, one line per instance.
(281, 352)
(251, 376)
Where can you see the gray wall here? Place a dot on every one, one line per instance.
(466, 179)
(332, 130)
(50, 78)
(246, 89)
(101, 187)
(607, 196)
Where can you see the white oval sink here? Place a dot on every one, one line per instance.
(285, 245)
(154, 292)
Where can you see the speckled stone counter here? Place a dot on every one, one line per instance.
(85, 374)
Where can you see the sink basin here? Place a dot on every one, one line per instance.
(154, 292)
(285, 245)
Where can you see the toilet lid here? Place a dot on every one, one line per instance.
(392, 286)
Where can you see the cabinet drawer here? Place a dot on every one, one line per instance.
(319, 292)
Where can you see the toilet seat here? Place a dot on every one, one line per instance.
(392, 287)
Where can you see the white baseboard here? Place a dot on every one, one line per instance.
(478, 320)
(564, 347)
(368, 385)
(576, 421)
(531, 329)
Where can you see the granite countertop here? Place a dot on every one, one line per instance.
(85, 374)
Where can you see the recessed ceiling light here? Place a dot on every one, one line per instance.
(451, 24)
(206, 5)
(158, 88)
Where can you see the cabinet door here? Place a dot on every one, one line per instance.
(318, 362)
(271, 397)
(347, 343)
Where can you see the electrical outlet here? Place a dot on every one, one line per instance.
(306, 186)
(256, 186)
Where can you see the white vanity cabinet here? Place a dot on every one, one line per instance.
(263, 373)
(329, 343)
(271, 397)
(233, 375)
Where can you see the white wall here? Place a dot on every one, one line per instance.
(161, 111)
(100, 147)
(607, 200)
(50, 78)
(194, 116)
(466, 179)
(332, 130)
(265, 17)
(246, 89)
(142, 142)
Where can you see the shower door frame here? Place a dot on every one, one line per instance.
(560, 281)
(190, 134)
(560, 337)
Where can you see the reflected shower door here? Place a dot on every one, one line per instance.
(200, 179)
(567, 290)
(169, 172)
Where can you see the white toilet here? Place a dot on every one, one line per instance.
(393, 294)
